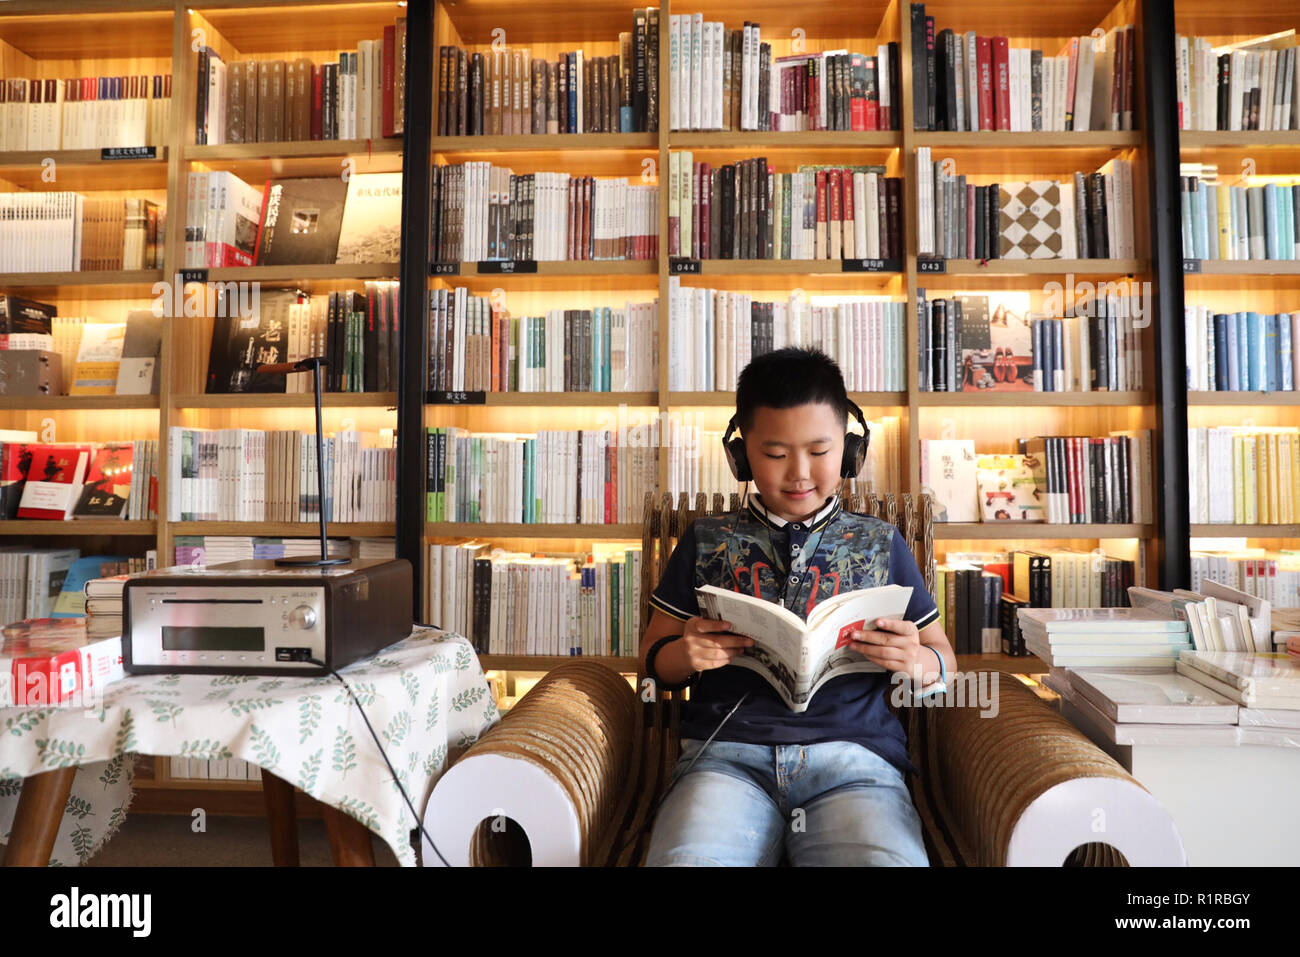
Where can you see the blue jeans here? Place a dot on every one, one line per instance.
(831, 804)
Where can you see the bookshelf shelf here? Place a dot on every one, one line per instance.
(279, 400)
(293, 150)
(631, 530)
(454, 146)
(107, 526)
(587, 267)
(775, 139)
(1248, 267)
(83, 170)
(73, 403)
(340, 272)
(285, 529)
(728, 399)
(89, 29)
(1033, 531)
(1038, 267)
(101, 284)
(1235, 139)
(1243, 398)
(975, 399)
(784, 267)
(1245, 531)
(546, 662)
(1003, 140)
(559, 399)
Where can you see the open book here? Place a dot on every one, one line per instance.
(797, 658)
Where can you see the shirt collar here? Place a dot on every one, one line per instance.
(824, 514)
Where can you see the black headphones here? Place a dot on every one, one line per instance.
(855, 449)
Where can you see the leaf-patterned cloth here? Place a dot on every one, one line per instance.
(423, 696)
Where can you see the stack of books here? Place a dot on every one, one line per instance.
(50, 661)
(1103, 637)
(1266, 681)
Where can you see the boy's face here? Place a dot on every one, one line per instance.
(795, 456)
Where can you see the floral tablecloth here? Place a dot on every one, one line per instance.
(423, 695)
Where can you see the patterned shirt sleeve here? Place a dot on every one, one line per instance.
(921, 610)
(675, 593)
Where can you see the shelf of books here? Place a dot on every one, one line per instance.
(85, 153)
(272, 134)
(553, 148)
(1240, 153)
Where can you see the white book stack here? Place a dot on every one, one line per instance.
(1259, 680)
(1134, 706)
(1102, 637)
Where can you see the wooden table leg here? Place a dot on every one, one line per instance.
(36, 822)
(282, 818)
(349, 839)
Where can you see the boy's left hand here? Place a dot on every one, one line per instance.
(895, 645)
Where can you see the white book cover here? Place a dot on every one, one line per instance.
(798, 657)
(365, 92)
(1083, 83)
(677, 78)
(948, 474)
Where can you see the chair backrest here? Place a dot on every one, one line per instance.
(663, 524)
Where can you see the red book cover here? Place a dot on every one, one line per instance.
(390, 49)
(315, 102)
(15, 460)
(108, 483)
(1001, 74)
(1075, 468)
(1070, 80)
(849, 217)
(821, 252)
(54, 481)
(984, 60)
(834, 214)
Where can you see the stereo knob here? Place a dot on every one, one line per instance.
(304, 616)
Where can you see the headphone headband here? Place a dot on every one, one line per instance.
(855, 448)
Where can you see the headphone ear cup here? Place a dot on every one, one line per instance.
(738, 460)
(855, 454)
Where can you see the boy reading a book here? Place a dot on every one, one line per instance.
(826, 786)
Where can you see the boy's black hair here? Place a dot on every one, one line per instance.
(789, 377)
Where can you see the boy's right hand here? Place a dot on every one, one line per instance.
(711, 644)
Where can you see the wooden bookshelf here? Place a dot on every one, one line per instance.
(294, 149)
(280, 400)
(1266, 286)
(105, 526)
(1033, 531)
(1243, 398)
(285, 529)
(977, 398)
(453, 147)
(105, 284)
(559, 399)
(1221, 530)
(728, 399)
(580, 532)
(72, 403)
(614, 268)
(547, 662)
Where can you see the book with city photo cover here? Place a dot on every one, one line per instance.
(301, 219)
(372, 219)
(797, 657)
(242, 343)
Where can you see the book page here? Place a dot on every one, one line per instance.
(794, 661)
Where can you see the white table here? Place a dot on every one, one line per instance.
(424, 696)
(1232, 800)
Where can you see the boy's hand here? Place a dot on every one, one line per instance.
(896, 646)
(711, 644)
